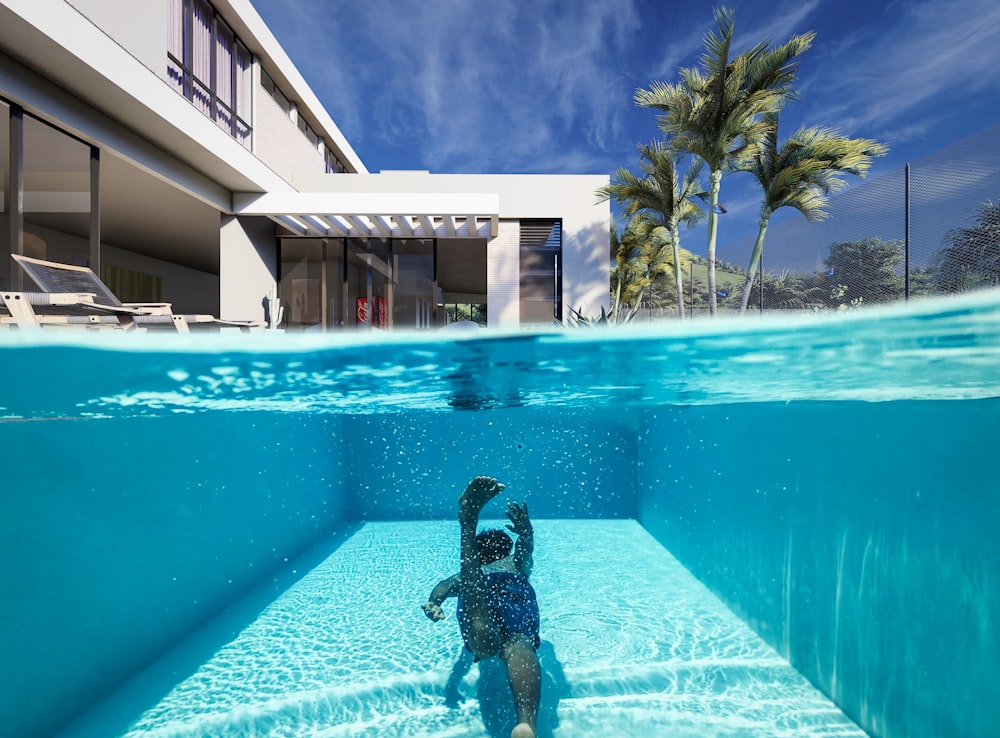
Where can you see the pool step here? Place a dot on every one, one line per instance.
(723, 700)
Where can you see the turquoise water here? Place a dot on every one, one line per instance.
(754, 528)
(620, 654)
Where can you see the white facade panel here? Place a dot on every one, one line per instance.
(250, 27)
(141, 32)
(503, 276)
(248, 267)
(79, 57)
(567, 197)
(280, 144)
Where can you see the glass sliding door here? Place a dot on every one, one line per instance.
(57, 195)
(380, 262)
(336, 302)
(6, 263)
(415, 301)
(301, 286)
(50, 203)
(359, 284)
(369, 283)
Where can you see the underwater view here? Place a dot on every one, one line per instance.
(766, 527)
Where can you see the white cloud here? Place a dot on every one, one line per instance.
(920, 58)
(499, 86)
(512, 85)
(687, 44)
(789, 21)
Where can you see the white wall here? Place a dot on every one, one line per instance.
(570, 197)
(139, 28)
(187, 290)
(586, 228)
(248, 267)
(280, 144)
(503, 277)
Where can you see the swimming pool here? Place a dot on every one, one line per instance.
(762, 528)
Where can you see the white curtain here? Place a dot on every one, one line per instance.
(232, 66)
(201, 62)
(175, 43)
(224, 76)
(242, 93)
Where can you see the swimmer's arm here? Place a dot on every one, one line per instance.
(443, 590)
(523, 550)
(522, 528)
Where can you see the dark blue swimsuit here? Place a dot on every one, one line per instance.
(515, 609)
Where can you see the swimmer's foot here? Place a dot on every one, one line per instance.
(480, 491)
(522, 730)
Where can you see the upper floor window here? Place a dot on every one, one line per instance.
(275, 92)
(308, 131)
(210, 66)
(333, 164)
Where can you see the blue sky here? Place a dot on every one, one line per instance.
(546, 85)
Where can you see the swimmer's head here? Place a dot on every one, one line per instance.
(493, 545)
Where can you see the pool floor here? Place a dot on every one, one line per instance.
(633, 645)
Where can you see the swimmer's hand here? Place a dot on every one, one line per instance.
(433, 611)
(520, 522)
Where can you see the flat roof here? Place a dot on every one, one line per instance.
(376, 214)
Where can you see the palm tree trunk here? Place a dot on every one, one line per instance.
(713, 224)
(758, 249)
(678, 277)
(638, 301)
(616, 307)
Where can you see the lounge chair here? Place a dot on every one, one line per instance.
(74, 296)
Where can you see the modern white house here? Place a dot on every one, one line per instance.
(173, 147)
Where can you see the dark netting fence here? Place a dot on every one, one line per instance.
(929, 228)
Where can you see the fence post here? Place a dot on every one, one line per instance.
(906, 236)
(760, 271)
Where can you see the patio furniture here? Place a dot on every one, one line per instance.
(76, 296)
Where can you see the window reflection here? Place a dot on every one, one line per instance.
(300, 288)
(415, 303)
(56, 195)
(5, 182)
(359, 284)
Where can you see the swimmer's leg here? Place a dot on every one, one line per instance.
(525, 675)
(482, 633)
(452, 695)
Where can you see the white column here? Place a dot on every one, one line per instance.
(248, 267)
(503, 276)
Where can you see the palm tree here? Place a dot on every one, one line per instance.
(715, 115)
(623, 272)
(662, 198)
(638, 256)
(801, 174)
(788, 291)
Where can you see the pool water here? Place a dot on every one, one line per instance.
(744, 528)
(633, 644)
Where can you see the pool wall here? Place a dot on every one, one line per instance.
(859, 539)
(121, 537)
(567, 463)
(134, 533)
